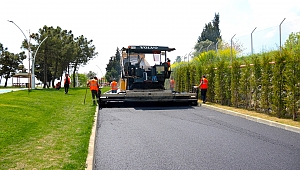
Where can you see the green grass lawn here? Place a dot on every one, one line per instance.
(45, 129)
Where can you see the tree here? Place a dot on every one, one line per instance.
(203, 46)
(82, 79)
(111, 75)
(293, 42)
(292, 49)
(211, 31)
(10, 63)
(113, 68)
(85, 51)
(60, 53)
(91, 74)
(210, 35)
(178, 59)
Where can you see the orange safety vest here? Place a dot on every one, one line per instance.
(172, 83)
(93, 85)
(69, 80)
(169, 64)
(204, 83)
(114, 85)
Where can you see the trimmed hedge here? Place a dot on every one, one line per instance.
(267, 82)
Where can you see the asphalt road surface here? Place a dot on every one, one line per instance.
(188, 138)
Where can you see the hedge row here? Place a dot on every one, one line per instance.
(267, 82)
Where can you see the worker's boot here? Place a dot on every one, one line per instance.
(94, 102)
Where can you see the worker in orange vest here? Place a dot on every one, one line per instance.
(172, 84)
(203, 87)
(114, 86)
(94, 87)
(169, 64)
(67, 82)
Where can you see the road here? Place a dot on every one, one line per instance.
(6, 90)
(188, 138)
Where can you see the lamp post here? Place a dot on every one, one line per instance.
(100, 70)
(184, 57)
(217, 48)
(252, 41)
(200, 49)
(217, 45)
(101, 73)
(32, 67)
(208, 46)
(28, 51)
(231, 48)
(189, 56)
(280, 34)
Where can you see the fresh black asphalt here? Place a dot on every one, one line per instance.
(190, 138)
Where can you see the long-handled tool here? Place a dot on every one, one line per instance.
(85, 94)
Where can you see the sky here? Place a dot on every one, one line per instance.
(173, 23)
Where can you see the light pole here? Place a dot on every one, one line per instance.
(217, 48)
(280, 34)
(208, 46)
(217, 45)
(28, 51)
(200, 49)
(189, 56)
(231, 48)
(32, 67)
(101, 73)
(252, 41)
(100, 70)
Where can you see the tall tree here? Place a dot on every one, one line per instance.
(59, 53)
(211, 31)
(113, 68)
(91, 74)
(178, 59)
(210, 35)
(84, 52)
(10, 63)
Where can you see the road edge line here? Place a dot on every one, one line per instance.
(255, 119)
(90, 156)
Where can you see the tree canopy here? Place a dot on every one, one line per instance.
(113, 68)
(60, 52)
(10, 63)
(210, 35)
(211, 31)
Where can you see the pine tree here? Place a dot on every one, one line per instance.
(211, 31)
(113, 68)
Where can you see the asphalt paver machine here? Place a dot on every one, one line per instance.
(144, 85)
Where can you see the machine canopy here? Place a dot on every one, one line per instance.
(145, 49)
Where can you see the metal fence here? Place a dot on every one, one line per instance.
(267, 39)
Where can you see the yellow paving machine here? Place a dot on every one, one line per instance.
(144, 85)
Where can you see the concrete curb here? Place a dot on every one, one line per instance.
(255, 119)
(90, 157)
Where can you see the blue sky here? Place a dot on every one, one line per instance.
(119, 23)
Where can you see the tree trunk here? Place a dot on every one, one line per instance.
(45, 72)
(6, 79)
(74, 74)
(55, 72)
